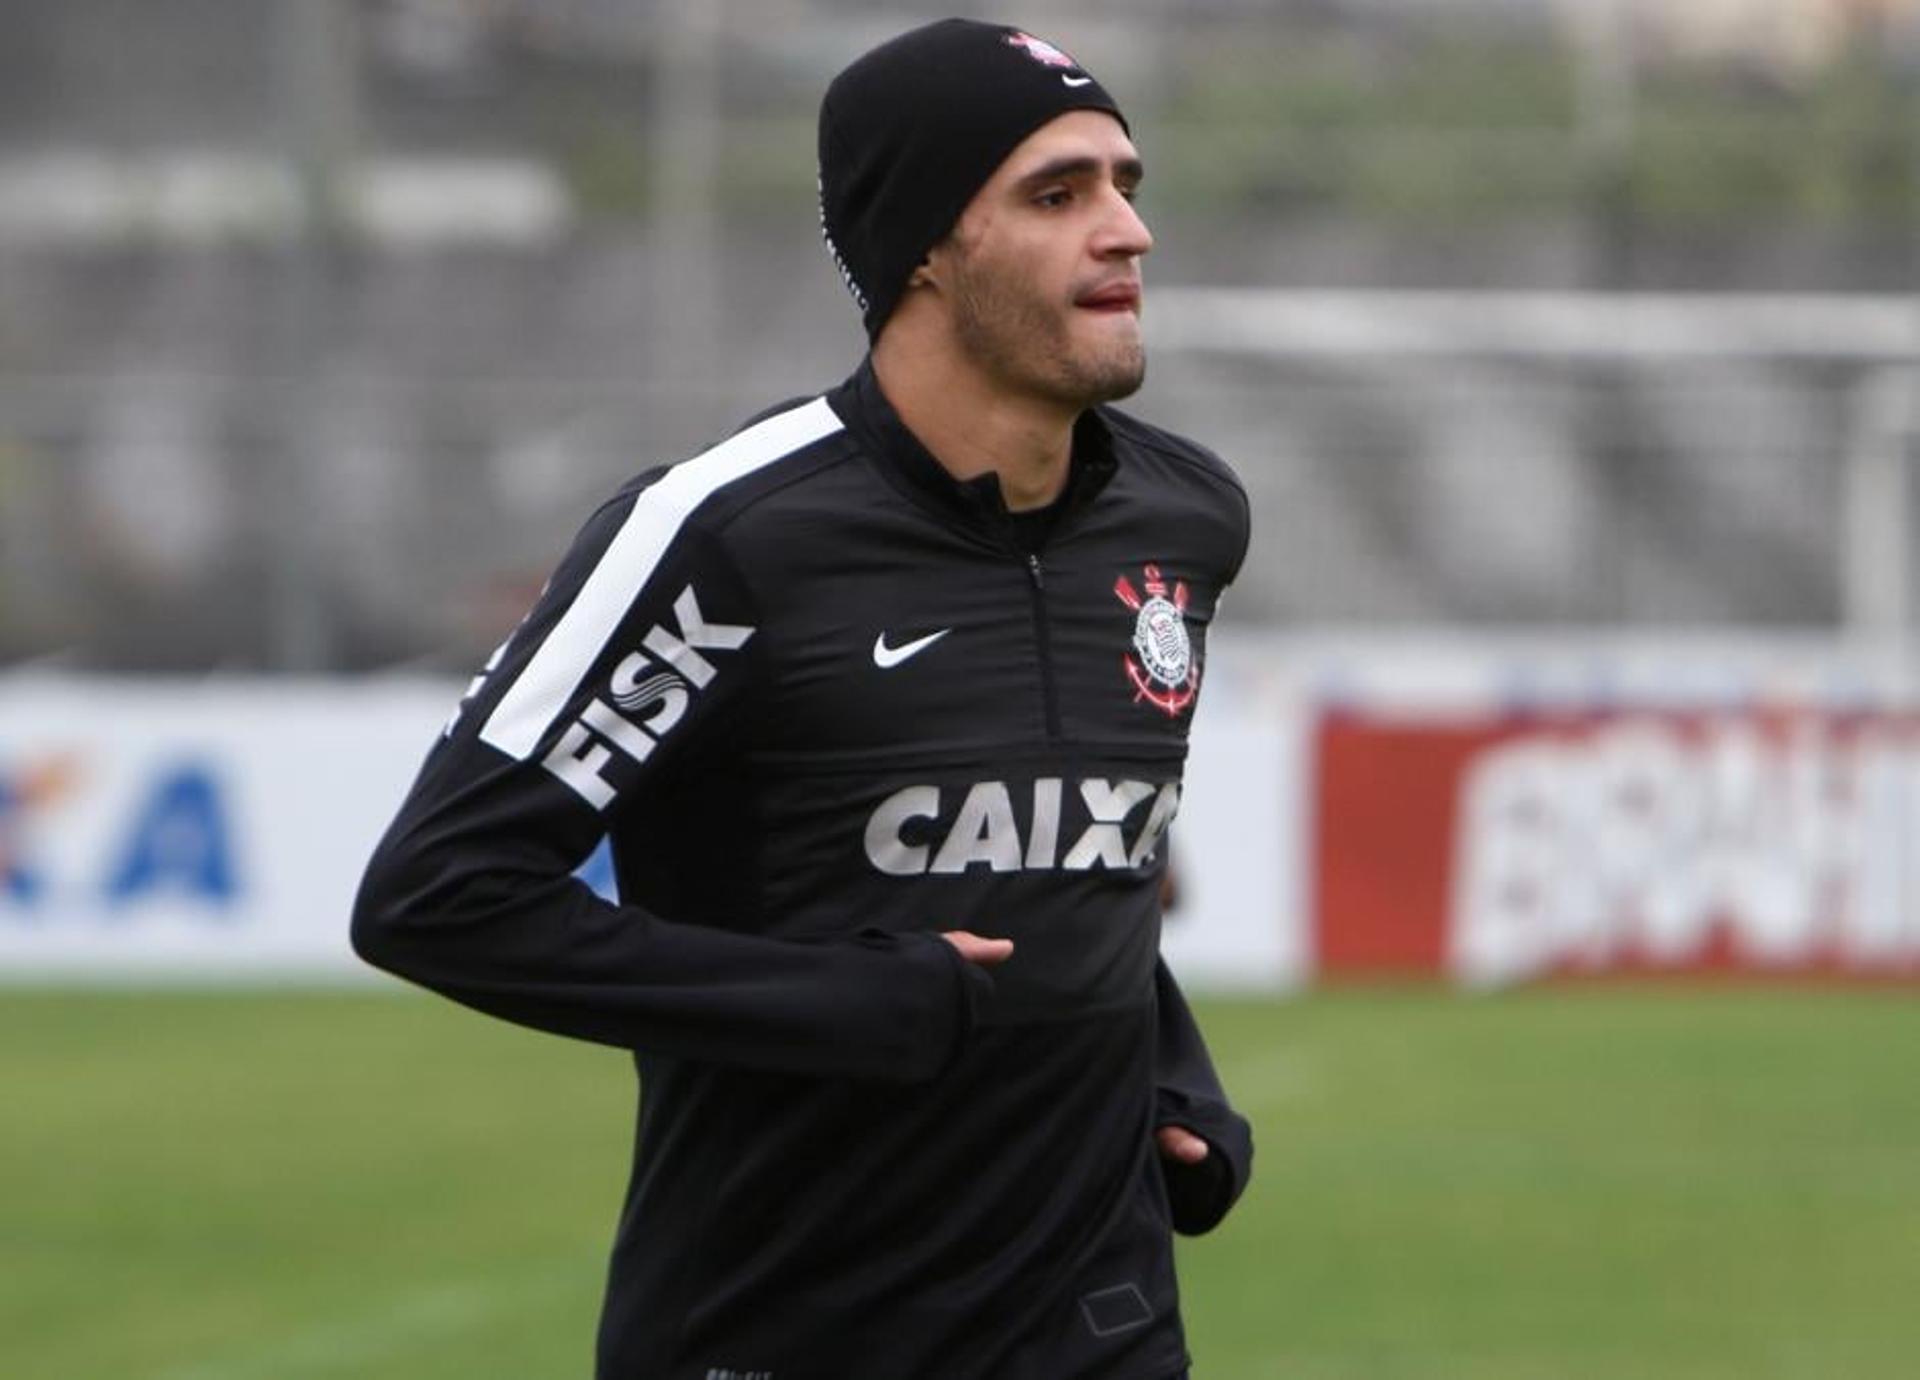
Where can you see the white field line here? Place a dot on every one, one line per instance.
(395, 1326)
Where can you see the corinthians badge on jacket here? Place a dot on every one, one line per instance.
(1161, 665)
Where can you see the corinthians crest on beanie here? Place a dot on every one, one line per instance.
(910, 131)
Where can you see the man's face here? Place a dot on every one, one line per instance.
(1042, 270)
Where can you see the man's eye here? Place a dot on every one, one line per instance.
(1059, 196)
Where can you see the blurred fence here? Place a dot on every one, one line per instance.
(322, 324)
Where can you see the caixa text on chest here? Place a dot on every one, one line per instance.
(911, 833)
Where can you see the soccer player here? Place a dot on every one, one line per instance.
(883, 703)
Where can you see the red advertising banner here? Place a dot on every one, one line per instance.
(1510, 846)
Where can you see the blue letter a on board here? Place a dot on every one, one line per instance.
(180, 843)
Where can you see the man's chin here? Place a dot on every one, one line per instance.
(1115, 366)
(1119, 377)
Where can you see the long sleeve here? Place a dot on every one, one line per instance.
(1188, 1094)
(631, 664)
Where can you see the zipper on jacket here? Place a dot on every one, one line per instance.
(1043, 643)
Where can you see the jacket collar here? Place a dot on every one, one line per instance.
(911, 466)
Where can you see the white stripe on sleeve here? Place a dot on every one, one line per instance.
(542, 689)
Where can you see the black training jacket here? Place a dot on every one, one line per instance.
(826, 704)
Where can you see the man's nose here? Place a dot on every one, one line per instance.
(1124, 234)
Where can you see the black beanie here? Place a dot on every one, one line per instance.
(910, 131)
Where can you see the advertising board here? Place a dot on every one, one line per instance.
(1514, 845)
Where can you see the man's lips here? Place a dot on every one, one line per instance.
(1112, 297)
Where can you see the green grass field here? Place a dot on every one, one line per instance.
(1589, 1183)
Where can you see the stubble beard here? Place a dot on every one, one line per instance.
(1018, 338)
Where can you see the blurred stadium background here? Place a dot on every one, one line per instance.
(1570, 350)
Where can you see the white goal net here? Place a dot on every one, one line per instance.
(1558, 458)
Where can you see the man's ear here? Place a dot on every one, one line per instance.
(931, 271)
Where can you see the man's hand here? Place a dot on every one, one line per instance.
(1179, 1144)
(976, 949)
